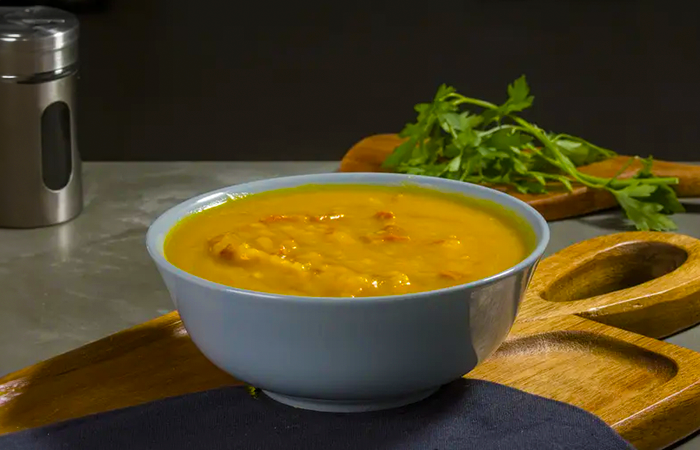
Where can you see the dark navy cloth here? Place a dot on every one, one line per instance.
(466, 414)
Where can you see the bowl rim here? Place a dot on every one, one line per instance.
(174, 214)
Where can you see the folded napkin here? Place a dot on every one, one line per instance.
(466, 414)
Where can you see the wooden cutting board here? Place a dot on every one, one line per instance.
(369, 154)
(646, 389)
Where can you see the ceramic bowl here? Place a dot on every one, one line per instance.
(348, 354)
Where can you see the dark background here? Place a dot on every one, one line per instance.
(230, 80)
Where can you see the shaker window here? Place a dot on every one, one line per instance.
(56, 157)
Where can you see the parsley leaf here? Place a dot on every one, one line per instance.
(640, 208)
(519, 97)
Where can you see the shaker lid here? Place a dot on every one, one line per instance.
(36, 39)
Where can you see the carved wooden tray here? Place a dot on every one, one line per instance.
(648, 390)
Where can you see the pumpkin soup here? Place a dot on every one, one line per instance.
(348, 241)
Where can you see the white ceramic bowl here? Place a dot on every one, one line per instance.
(348, 354)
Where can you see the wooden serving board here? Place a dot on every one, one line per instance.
(369, 154)
(648, 390)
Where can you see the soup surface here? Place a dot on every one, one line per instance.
(348, 241)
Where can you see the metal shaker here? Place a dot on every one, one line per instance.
(40, 174)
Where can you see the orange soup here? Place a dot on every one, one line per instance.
(348, 241)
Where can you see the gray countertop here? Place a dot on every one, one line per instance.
(70, 284)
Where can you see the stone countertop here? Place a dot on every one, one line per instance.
(67, 285)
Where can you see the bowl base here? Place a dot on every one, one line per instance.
(349, 406)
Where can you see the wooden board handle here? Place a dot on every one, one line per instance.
(645, 282)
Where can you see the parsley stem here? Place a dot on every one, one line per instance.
(603, 151)
(462, 99)
(622, 169)
(616, 184)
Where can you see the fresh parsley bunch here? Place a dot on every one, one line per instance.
(498, 147)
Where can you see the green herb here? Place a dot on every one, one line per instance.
(496, 146)
(252, 390)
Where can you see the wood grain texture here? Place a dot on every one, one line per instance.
(648, 390)
(644, 282)
(369, 154)
(150, 361)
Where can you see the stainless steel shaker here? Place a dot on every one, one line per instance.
(40, 174)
